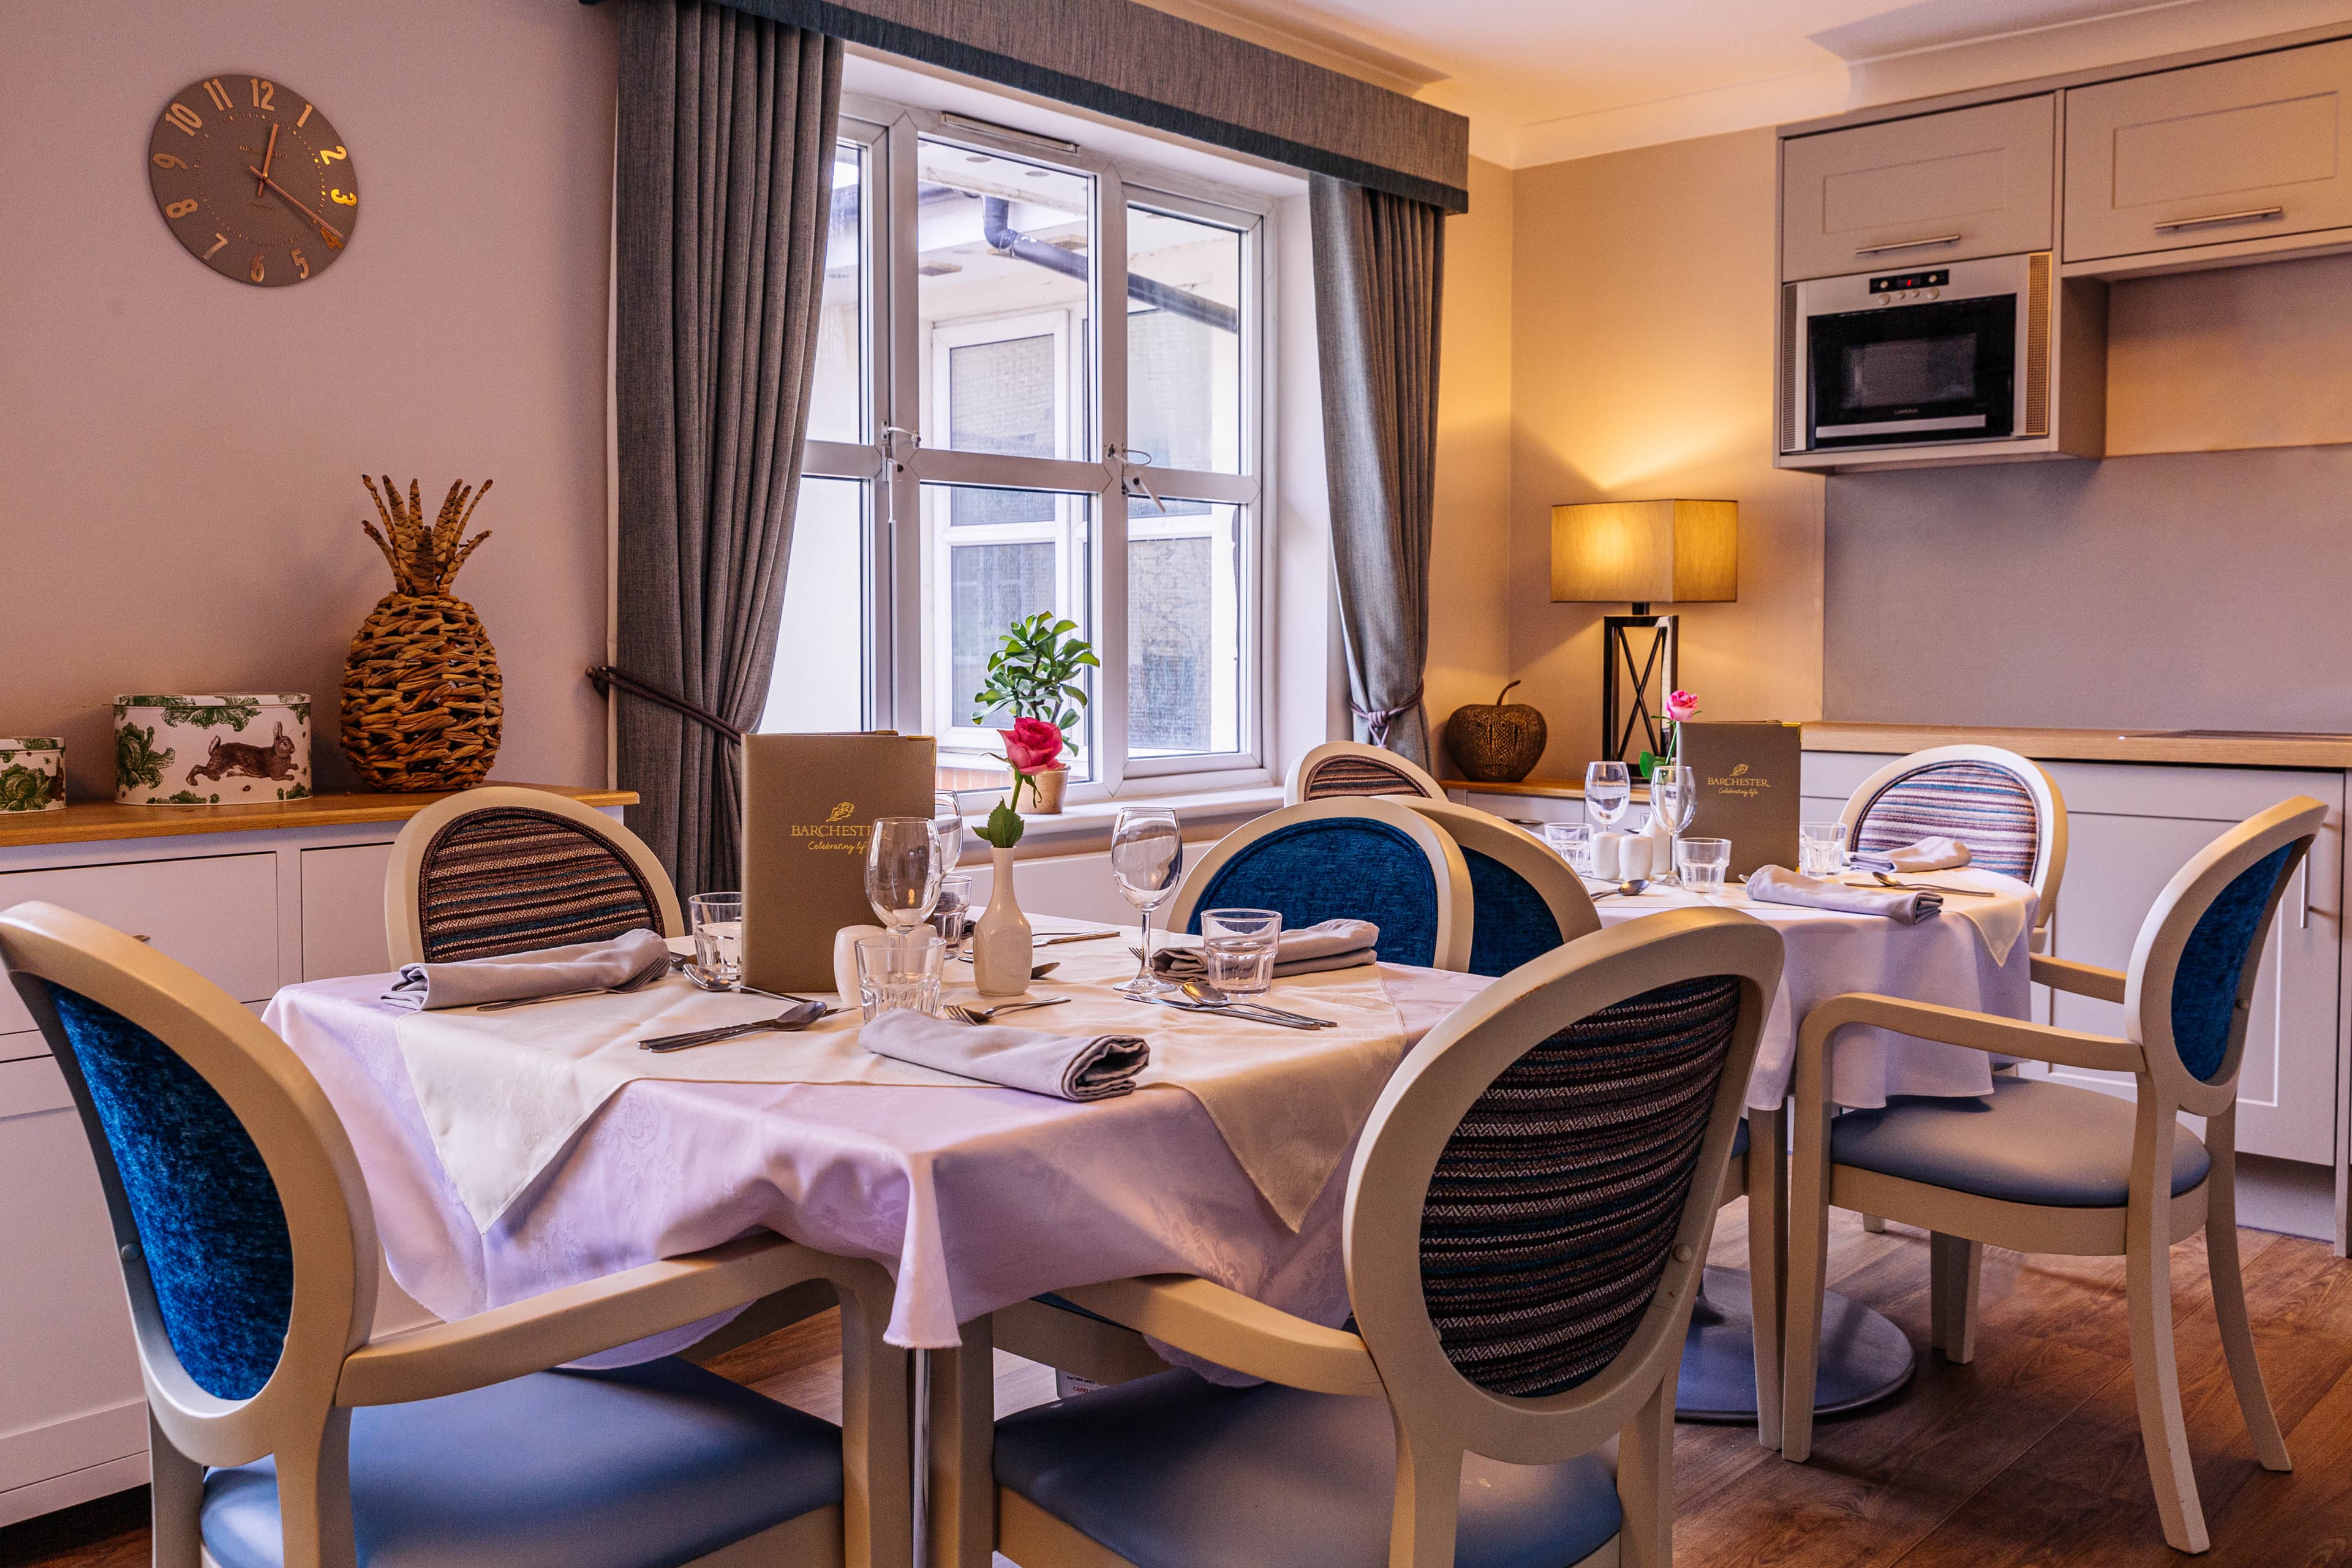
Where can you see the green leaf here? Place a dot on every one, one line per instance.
(1089, 660)
(1003, 827)
(1648, 763)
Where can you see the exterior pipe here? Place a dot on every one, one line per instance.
(996, 226)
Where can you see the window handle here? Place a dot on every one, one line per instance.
(2252, 214)
(1908, 245)
(2306, 891)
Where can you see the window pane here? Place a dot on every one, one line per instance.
(1003, 290)
(820, 677)
(1184, 342)
(995, 556)
(840, 399)
(1184, 604)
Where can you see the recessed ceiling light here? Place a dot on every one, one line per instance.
(978, 158)
(1034, 174)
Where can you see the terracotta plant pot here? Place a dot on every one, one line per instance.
(1046, 797)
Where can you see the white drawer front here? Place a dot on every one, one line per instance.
(342, 911)
(218, 915)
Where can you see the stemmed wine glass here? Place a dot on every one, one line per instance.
(948, 820)
(1608, 791)
(1147, 856)
(1674, 800)
(902, 872)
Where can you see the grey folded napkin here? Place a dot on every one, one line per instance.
(541, 971)
(1309, 950)
(1778, 885)
(1934, 853)
(1067, 1067)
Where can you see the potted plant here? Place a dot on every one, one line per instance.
(1034, 676)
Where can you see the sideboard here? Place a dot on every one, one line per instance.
(252, 897)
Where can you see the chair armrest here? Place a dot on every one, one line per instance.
(2082, 979)
(1974, 1031)
(578, 1321)
(1228, 1328)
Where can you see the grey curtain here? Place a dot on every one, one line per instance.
(1379, 265)
(722, 191)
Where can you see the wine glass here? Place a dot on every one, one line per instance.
(1674, 800)
(902, 871)
(1608, 791)
(948, 820)
(1147, 856)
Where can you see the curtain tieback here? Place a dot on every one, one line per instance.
(604, 677)
(1376, 720)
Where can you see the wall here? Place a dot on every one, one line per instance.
(180, 454)
(1642, 318)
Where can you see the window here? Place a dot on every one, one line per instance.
(1037, 388)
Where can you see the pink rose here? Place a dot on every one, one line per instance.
(1680, 705)
(1031, 745)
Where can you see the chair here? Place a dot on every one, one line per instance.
(499, 869)
(1341, 768)
(283, 1434)
(1527, 1216)
(2002, 806)
(2049, 1167)
(1354, 858)
(1525, 898)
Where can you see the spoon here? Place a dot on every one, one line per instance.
(798, 1017)
(1886, 881)
(1039, 973)
(1208, 995)
(705, 981)
(1625, 890)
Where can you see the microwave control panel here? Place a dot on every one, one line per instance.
(1909, 286)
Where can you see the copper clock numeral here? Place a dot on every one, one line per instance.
(255, 272)
(304, 118)
(181, 208)
(264, 93)
(186, 118)
(219, 239)
(221, 99)
(302, 263)
(331, 154)
(337, 193)
(165, 161)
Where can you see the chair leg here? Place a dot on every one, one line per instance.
(177, 1502)
(1645, 1481)
(2230, 1295)
(877, 1445)
(2156, 1373)
(1809, 1241)
(963, 1443)
(1954, 1266)
(1767, 1260)
(1424, 1527)
(314, 1498)
(1874, 1223)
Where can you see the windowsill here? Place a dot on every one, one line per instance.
(1083, 828)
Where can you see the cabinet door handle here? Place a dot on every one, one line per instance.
(2252, 214)
(2306, 892)
(1908, 245)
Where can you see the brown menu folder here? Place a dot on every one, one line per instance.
(1747, 789)
(809, 805)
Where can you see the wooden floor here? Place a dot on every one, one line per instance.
(2028, 1458)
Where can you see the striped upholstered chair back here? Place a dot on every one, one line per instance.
(2002, 806)
(1345, 768)
(1531, 1207)
(498, 870)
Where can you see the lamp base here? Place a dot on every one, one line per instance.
(1629, 720)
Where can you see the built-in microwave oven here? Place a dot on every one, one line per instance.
(1928, 358)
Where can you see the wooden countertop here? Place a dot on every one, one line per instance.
(99, 820)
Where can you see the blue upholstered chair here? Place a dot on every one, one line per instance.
(1526, 1217)
(2049, 1167)
(1525, 899)
(283, 1434)
(1356, 858)
(1341, 769)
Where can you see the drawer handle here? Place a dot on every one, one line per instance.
(138, 938)
(1908, 245)
(2252, 214)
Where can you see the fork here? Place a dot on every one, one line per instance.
(653, 972)
(964, 1014)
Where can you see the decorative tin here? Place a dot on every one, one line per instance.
(31, 774)
(236, 749)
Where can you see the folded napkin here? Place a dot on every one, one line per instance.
(1934, 853)
(1311, 950)
(1778, 885)
(541, 971)
(1067, 1067)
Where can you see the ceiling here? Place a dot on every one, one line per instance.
(1545, 79)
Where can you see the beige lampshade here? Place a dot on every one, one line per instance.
(1644, 551)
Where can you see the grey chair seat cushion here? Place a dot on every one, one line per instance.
(2031, 1141)
(639, 1467)
(1171, 1472)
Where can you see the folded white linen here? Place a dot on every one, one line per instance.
(1068, 1067)
(1933, 853)
(541, 972)
(1311, 950)
(1778, 885)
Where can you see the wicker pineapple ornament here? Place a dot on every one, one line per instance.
(421, 691)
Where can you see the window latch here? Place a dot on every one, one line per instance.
(1132, 481)
(886, 447)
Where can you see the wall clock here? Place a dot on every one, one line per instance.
(253, 179)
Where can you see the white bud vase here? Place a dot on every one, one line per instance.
(1002, 948)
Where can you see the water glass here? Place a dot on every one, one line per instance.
(1238, 948)
(1821, 848)
(1673, 802)
(1607, 790)
(902, 870)
(1701, 863)
(1572, 842)
(948, 819)
(896, 970)
(952, 913)
(1147, 859)
(718, 924)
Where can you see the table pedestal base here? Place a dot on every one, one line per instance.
(1864, 1358)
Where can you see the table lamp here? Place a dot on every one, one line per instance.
(1640, 553)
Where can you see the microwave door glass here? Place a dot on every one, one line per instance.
(1914, 373)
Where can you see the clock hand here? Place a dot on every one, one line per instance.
(334, 235)
(267, 154)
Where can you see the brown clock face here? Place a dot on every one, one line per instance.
(252, 178)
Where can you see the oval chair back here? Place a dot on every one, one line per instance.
(1356, 858)
(1526, 900)
(499, 869)
(2001, 804)
(1350, 768)
(1527, 1222)
(2190, 982)
(247, 1243)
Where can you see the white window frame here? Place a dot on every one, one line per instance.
(898, 462)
